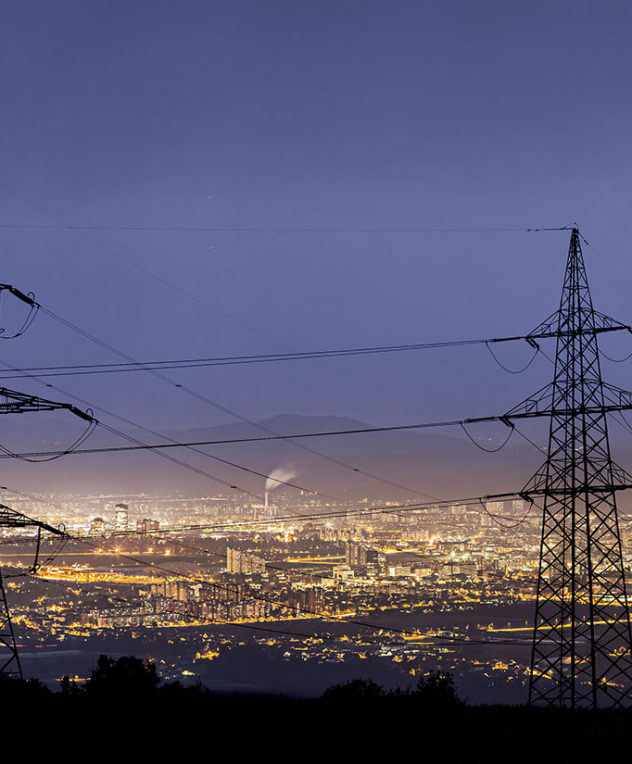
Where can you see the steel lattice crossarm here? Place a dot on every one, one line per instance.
(11, 518)
(29, 300)
(543, 403)
(551, 326)
(12, 402)
(616, 479)
(578, 490)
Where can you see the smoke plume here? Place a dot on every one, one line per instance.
(279, 476)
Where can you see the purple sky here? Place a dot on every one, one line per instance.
(315, 115)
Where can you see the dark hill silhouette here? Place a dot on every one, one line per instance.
(428, 718)
(441, 463)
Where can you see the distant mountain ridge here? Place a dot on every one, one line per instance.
(404, 464)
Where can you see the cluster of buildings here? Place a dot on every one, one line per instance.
(122, 524)
(427, 564)
(242, 562)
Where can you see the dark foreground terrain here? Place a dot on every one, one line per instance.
(124, 705)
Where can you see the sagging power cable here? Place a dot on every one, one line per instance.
(190, 363)
(214, 404)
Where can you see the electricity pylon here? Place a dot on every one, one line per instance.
(9, 657)
(12, 402)
(582, 642)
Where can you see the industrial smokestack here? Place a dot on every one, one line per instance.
(277, 477)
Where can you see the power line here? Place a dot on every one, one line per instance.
(214, 404)
(237, 624)
(401, 509)
(257, 596)
(254, 439)
(63, 224)
(267, 629)
(188, 363)
(292, 436)
(317, 576)
(318, 516)
(256, 229)
(383, 509)
(504, 418)
(140, 445)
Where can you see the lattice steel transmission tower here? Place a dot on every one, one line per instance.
(9, 656)
(12, 402)
(582, 642)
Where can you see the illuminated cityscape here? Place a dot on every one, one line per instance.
(393, 597)
(315, 373)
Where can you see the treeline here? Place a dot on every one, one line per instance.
(129, 677)
(427, 718)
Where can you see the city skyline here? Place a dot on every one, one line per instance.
(294, 272)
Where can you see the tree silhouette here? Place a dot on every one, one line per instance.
(437, 689)
(124, 676)
(356, 688)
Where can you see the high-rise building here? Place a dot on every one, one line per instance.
(355, 554)
(177, 590)
(147, 526)
(242, 562)
(311, 600)
(121, 517)
(97, 526)
(375, 563)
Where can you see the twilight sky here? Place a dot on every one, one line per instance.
(310, 115)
